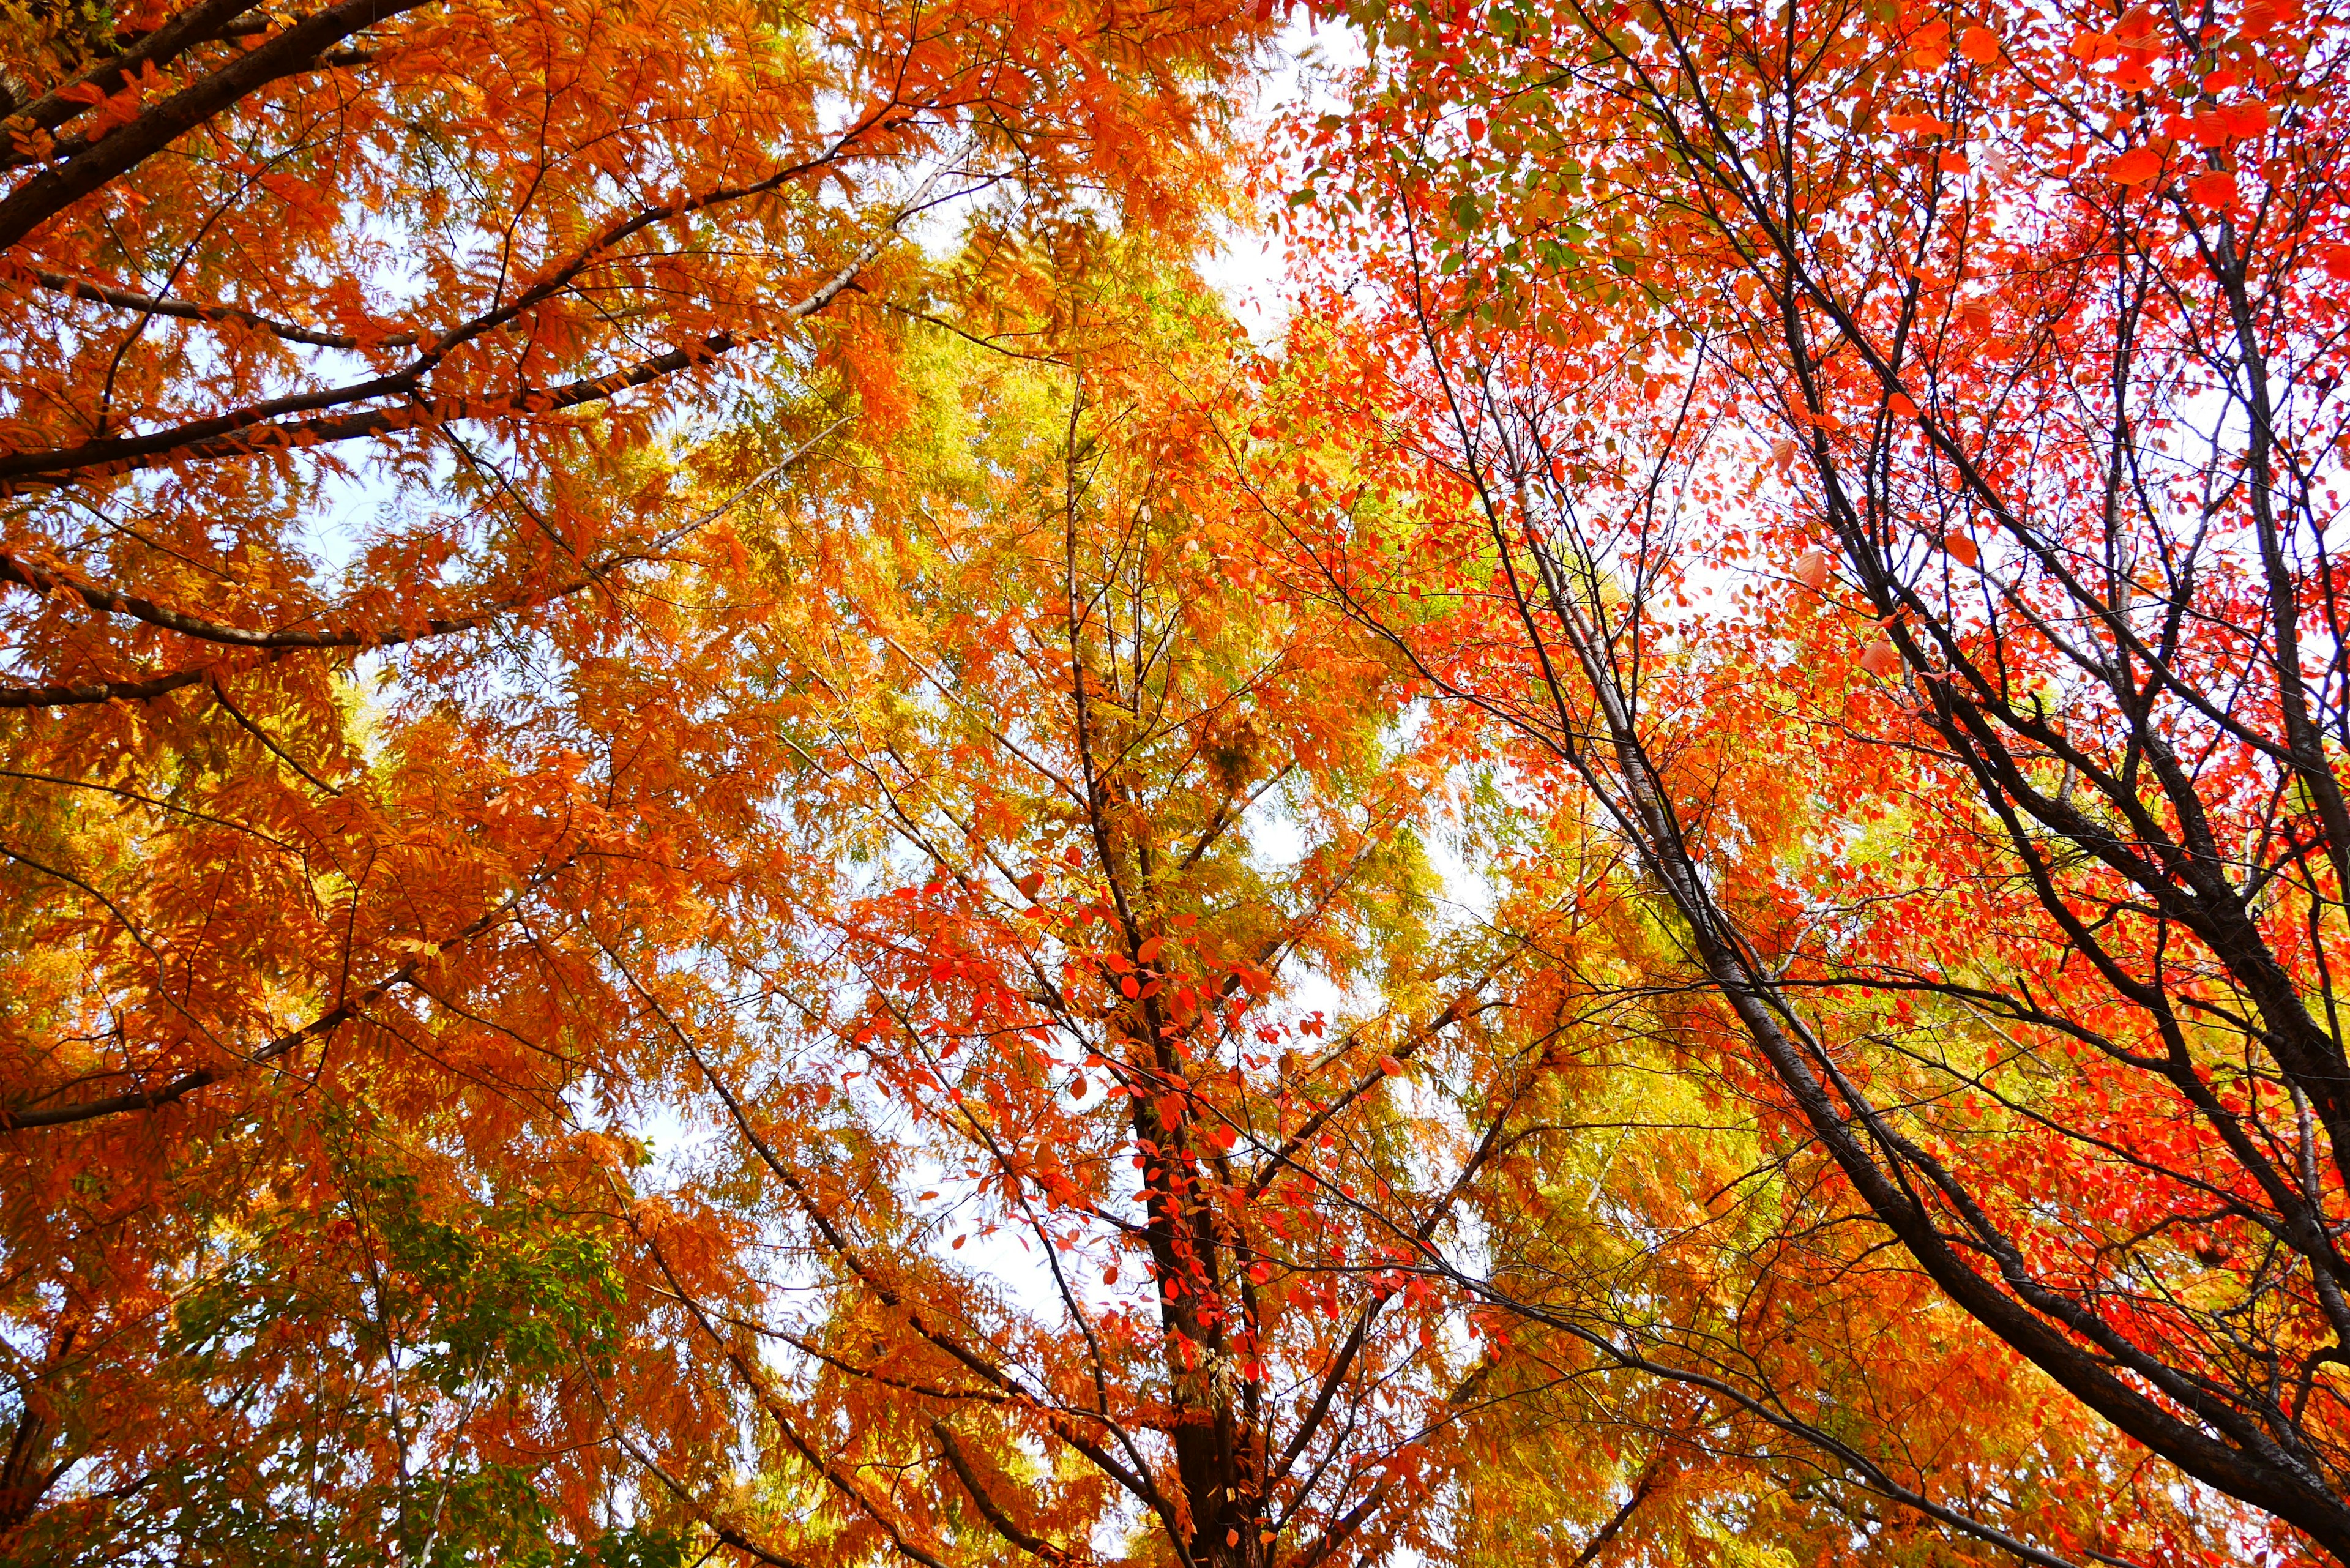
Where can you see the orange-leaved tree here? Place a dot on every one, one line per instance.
(367, 581)
(1968, 444)
(1683, 1287)
(1120, 1001)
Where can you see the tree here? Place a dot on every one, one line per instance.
(591, 946)
(361, 436)
(1098, 1261)
(1683, 1293)
(1966, 445)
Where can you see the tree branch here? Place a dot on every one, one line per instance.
(16, 1119)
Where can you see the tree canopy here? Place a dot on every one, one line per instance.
(729, 839)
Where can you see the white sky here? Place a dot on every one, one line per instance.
(1249, 269)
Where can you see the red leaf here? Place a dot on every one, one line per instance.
(2215, 190)
(1917, 125)
(2135, 167)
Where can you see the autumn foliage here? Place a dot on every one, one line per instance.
(728, 837)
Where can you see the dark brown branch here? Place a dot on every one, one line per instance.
(18, 1120)
(1342, 1530)
(278, 643)
(1616, 1520)
(1004, 1524)
(46, 581)
(258, 428)
(202, 24)
(98, 163)
(726, 1535)
(67, 696)
(188, 310)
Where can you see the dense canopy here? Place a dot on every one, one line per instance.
(728, 835)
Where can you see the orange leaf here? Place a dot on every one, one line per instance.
(2216, 189)
(2244, 120)
(2135, 167)
(2262, 17)
(1909, 124)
